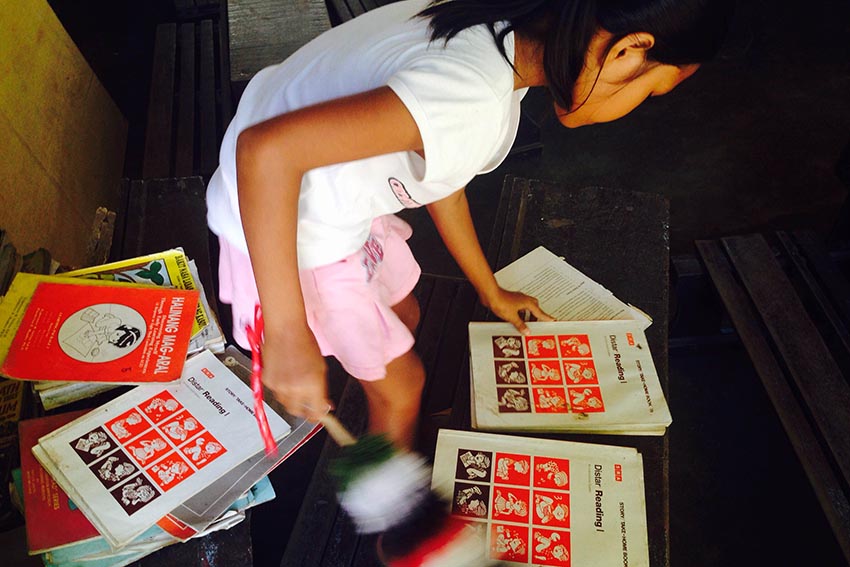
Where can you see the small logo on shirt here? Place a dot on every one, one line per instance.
(372, 255)
(401, 194)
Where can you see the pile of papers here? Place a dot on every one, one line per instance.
(545, 502)
(176, 456)
(157, 465)
(589, 372)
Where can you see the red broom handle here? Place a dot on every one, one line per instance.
(255, 338)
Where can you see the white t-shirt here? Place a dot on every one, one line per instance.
(460, 94)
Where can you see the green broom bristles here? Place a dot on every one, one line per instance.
(355, 460)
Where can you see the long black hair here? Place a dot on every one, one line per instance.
(685, 31)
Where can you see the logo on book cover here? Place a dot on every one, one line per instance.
(102, 332)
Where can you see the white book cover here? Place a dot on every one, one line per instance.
(546, 502)
(133, 460)
(564, 292)
(583, 376)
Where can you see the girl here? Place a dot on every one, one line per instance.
(402, 107)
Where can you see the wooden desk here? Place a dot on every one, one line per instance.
(265, 32)
(619, 239)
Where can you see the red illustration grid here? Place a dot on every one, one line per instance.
(546, 374)
(523, 500)
(162, 438)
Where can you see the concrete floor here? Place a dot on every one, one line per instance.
(749, 143)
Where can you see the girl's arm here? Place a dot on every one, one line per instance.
(271, 159)
(454, 223)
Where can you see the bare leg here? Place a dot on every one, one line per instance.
(394, 401)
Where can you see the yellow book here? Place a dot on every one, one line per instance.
(169, 268)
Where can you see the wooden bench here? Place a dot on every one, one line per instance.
(197, 9)
(790, 305)
(616, 237)
(189, 103)
(265, 32)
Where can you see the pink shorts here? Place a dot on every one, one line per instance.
(348, 303)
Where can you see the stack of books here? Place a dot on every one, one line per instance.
(158, 465)
(170, 269)
(547, 501)
(174, 457)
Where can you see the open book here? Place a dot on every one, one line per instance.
(589, 372)
(564, 292)
(546, 502)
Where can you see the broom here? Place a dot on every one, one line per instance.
(383, 490)
(386, 491)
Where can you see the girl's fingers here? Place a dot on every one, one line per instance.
(538, 313)
(313, 411)
(519, 324)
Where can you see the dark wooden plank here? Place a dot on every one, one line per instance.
(183, 4)
(808, 359)
(158, 134)
(367, 552)
(356, 7)
(36, 262)
(816, 298)
(432, 322)
(265, 32)
(444, 371)
(224, 548)
(316, 533)
(367, 4)
(225, 94)
(208, 132)
(422, 292)
(166, 213)
(341, 9)
(496, 238)
(184, 150)
(100, 241)
(825, 481)
(514, 222)
(833, 293)
(117, 250)
(621, 240)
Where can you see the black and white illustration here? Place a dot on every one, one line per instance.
(102, 332)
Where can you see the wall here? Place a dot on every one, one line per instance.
(62, 138)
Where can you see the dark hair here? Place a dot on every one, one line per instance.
(128, 336)
(685, 31)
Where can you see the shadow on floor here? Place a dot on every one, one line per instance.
(738, 495)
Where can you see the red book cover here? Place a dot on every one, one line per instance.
(65, 329)
(52, 520)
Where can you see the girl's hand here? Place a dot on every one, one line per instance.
(296, 373)
(510, 305)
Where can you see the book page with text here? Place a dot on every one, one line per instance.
(564, 292)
